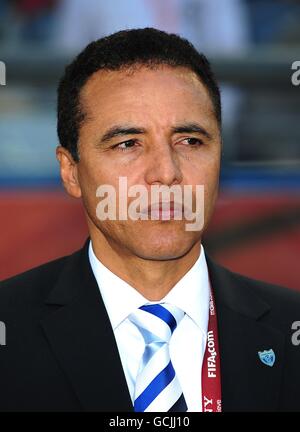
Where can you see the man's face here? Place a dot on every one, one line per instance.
(152, 111)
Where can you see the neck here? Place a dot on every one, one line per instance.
(151, 278)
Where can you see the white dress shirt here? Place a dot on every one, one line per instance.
(188, 342)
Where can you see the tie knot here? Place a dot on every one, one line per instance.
(157, 322)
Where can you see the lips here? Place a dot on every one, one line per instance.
(164, 210)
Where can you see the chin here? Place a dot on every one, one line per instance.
(164, 249)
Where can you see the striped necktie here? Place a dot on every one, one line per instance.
(157, 387)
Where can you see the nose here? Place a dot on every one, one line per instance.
(163, 167)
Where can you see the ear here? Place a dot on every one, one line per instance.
(68, 172)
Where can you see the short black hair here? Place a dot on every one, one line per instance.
(121, 50)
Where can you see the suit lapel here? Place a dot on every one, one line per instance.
(79, 332)
(247, 383)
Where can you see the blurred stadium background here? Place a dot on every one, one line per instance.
(252, 45)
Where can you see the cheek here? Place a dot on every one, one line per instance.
(89, 180)
(91, 175)
(206, 174)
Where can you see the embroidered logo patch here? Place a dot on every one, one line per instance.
(267, 357)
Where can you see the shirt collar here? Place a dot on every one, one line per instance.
(191, 293)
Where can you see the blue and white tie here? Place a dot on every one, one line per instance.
(157, 387)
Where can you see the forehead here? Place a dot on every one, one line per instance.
(141, 89)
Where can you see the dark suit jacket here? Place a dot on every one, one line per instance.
(61, 354)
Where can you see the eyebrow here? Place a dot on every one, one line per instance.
(118, 130)
(191, 128)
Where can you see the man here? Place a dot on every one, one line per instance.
(128, 323)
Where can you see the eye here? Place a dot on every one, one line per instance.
(125, 145)
(193, 142)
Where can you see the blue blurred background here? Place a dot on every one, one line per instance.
(251, 44)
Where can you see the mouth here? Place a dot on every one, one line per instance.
(164, 211)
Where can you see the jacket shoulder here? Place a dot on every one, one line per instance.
(272, 293)
(284, 302)
(31, 285)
